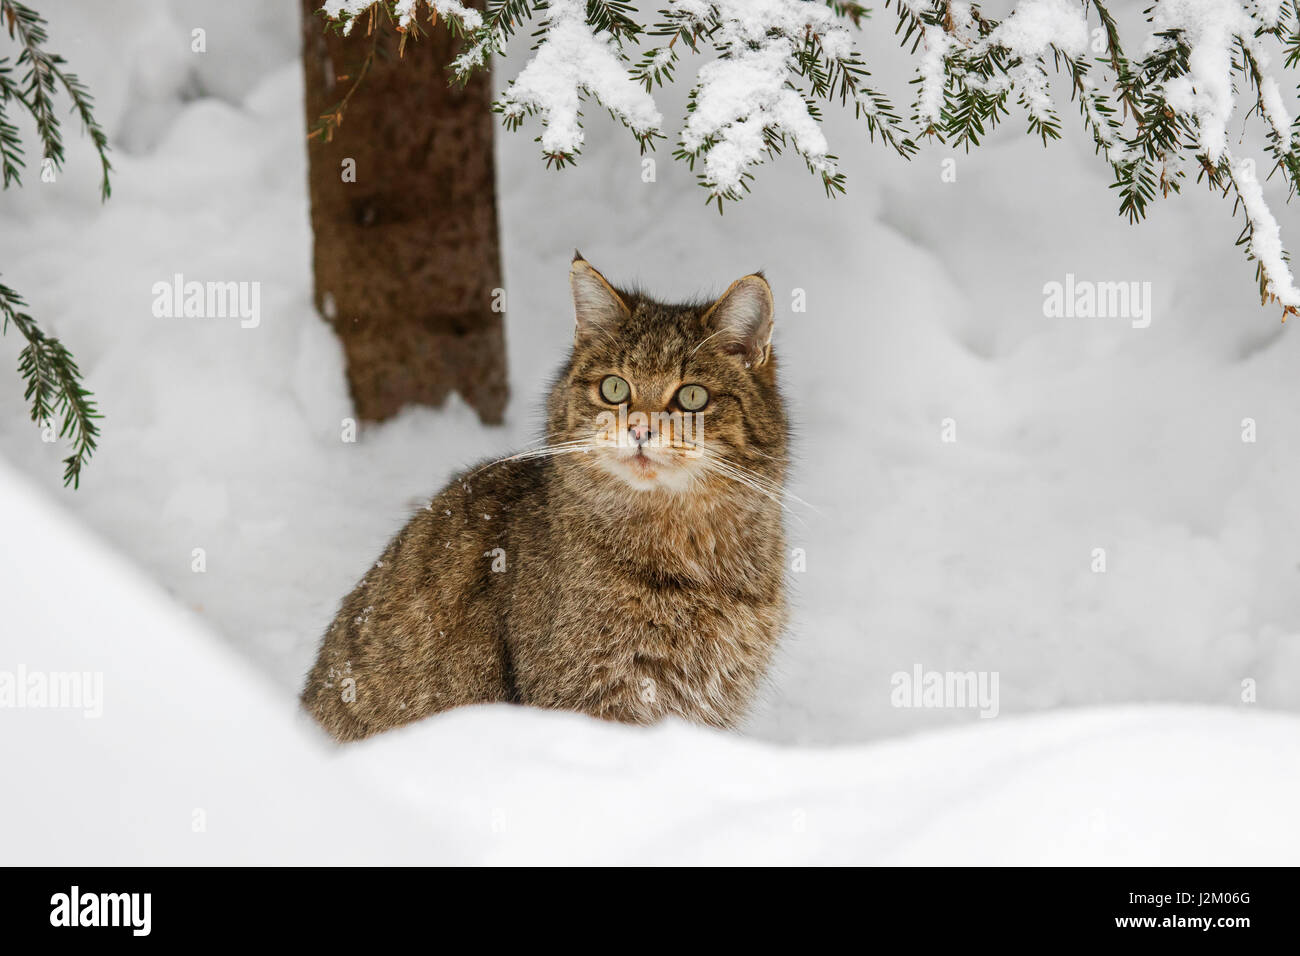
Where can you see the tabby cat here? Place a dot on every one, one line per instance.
(631, 569)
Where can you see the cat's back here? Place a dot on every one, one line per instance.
(424, 628)
(499, 490)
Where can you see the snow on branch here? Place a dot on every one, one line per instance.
(1203, 65)
(773, 58)
(1209, 29)
(1032, 32)
(1200, 69)
(1198, 52)
(1264, 237)
(573, 59)
(348, 12)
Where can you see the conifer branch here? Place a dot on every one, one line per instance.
(54, 386)
(1152, 118)
(55, 391)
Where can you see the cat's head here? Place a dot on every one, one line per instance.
(678, 399)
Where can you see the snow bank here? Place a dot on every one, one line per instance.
(197, 759)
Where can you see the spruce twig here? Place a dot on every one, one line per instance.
(54, 386)
(55, 391)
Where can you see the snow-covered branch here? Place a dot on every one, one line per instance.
(756, 95)
(1202, 65)
(574, 59)
(348, 12)
(1211, 44)
(1264, 237)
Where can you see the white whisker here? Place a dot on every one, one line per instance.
(548, 451)
(759, 481)
(715, 465)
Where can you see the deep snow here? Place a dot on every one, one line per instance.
(198, 759)
(924, 302)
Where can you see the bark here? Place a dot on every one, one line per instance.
(407, 257)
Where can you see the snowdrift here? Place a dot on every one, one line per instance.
(196, 758)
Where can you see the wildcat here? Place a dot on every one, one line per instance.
(632, 568)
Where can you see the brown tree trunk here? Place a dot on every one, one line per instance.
(407, 258)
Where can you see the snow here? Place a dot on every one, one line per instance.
(210, 765)
(740, 99)
(467, 17)
(1210, 28)
(1029, 33)
(933, 74)
(1035, 26)
(1274, 106)
(924, 303)
(747, 93)
(1266, 235)
(743, 96)
(573, 60)
(350, 10)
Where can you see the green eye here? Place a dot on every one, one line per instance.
(614, 389)
(692, 397)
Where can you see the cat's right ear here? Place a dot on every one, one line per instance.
(596, 306)
(743, 318)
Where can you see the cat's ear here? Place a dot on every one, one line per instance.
(743, 318)
(596, 305)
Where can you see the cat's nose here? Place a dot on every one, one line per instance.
(639, 434)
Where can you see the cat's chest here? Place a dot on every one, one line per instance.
(646, 622)
(640, 653)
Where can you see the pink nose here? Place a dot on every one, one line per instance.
(639, 434)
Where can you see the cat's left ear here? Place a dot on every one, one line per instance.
(596, 305)
(743, 319)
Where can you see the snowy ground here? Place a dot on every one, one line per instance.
(924, 302)
(209, 764)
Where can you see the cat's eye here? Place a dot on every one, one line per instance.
(614, 389)
(692, 398)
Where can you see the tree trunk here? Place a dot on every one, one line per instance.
(407, 257)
